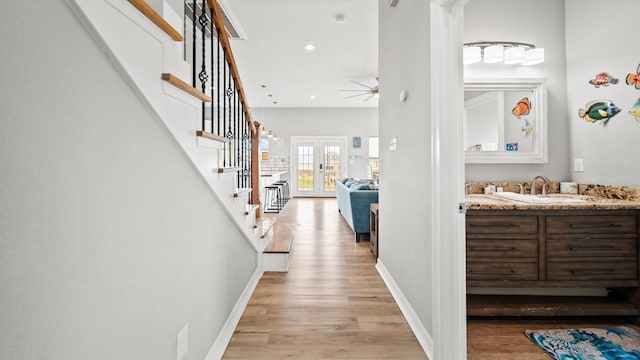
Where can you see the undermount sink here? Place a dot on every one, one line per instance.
(539, 199)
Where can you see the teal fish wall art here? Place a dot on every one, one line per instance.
(635, 111)
(527, 128)
(599, 111)
(603, 79)
(634, 79)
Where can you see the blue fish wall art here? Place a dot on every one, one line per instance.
(599, 111)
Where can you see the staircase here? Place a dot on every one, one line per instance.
(208, 116)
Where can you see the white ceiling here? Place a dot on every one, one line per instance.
(272, 52)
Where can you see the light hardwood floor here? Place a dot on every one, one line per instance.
(332, 304)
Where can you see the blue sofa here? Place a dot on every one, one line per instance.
(353, 203)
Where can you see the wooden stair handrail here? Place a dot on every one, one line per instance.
(157, 19)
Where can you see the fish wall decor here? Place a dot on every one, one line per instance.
(603, 79)
(634, 79)
(523, 107)
(635, 111)
(599, 110)
(527, 128)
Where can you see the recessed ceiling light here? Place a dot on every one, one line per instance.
(309, 47)
(312, 97)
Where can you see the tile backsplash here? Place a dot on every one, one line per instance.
(274, 164)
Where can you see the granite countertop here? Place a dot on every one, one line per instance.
(549, 202)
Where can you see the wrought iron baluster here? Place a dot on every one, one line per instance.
(229, 134)
(193, 44)
(224, 106)
(202, 76)
(212, 64)
(219, 88)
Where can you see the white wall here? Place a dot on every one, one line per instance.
(540, 23)
(110, 241)
(350, 122)
(609, 152)
(405, 174)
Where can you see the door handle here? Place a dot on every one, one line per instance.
(320, 166)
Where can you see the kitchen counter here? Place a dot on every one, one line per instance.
(273, 174)
(549, 202)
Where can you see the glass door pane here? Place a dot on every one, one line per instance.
(305, 168)
(331, 167)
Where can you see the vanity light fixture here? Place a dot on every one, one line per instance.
(506, 52)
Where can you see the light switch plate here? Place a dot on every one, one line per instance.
(578, 165)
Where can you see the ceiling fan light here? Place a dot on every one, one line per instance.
(493, 54)
(533, 56)
(471, 54)
(514, 55)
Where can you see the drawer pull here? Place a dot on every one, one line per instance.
(594, 226)
(604, 248)
(493, 249)
(497, 225)
(603, 272)
(509, 273)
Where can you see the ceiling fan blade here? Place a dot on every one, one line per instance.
(362, 91)
(352, 96)
(361, 84)
(367, 99)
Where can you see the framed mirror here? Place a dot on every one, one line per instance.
(505, 121)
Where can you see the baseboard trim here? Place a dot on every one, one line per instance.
(421, 333)
(224, 336)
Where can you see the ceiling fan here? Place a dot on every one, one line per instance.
(371, 91)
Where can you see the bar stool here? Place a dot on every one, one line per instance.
(272, 194)
(284, 184)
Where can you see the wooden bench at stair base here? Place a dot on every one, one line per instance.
(278, 252)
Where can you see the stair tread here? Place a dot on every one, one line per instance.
(157, 19)
(267, 223)
(250, 210)
(280, 240)
(210, 136)
(238, 191)
(226, 169)
(182, 85)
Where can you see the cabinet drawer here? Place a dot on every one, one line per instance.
(609, 270)
(591, 224)
(502, 248)
(509, 224)
(502, 271)
(591, 247)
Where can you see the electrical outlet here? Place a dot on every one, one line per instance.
(578, 165)
(182, 342)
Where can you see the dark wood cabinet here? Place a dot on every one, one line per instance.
(553, 249)
(373, 234)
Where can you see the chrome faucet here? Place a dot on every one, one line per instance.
(533, 184)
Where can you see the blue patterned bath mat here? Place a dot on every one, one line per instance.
(619, 343)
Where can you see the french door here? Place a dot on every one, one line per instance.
(316, 163)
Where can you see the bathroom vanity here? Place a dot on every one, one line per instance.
(558, 245)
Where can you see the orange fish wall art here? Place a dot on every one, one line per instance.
(634, 79)
(523, 107)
